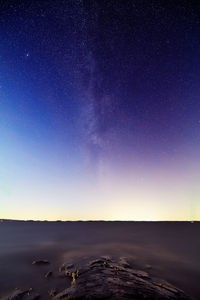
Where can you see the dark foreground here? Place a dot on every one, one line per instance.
(166, 250)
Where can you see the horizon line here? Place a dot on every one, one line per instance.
(58, 220)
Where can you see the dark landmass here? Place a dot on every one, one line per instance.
(162, 258)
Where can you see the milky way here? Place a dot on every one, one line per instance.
(100, 109)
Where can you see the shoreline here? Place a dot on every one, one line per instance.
(171, 248)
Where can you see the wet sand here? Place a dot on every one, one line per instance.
(172, 249)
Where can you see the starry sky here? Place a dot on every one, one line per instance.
(100, 109)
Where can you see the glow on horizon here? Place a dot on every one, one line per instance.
(149, 194)
(47, 182)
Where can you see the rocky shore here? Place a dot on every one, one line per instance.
(103, 278)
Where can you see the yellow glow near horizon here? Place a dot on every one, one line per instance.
(170, 193)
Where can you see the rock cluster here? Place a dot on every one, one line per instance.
(105, 278)
(108, 279)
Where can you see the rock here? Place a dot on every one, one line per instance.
(103, 279)
(75, 276)
(15, 295)
(69, 266)
(32, 296)
(40, 262)
(140, 273)
(52, 292)
(97, 261)
(123, 262)
(61, 268)
(48, 274)
(19, 294)
(63, 295)
(71, 271)
(107, 257)
(29, 291)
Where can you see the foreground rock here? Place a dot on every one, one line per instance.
(19, 294)
(48, 274)
(108, 279)
(40, 262)
(52, 292)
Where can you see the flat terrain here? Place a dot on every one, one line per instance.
(169, 250)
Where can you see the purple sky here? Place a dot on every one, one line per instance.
(100, 110)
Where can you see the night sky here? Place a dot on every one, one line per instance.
(100, 110)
